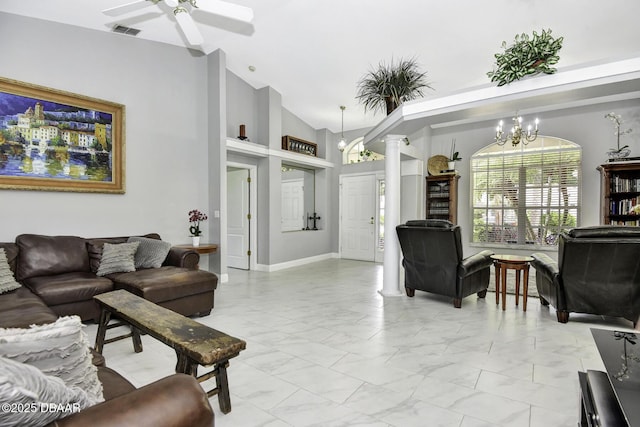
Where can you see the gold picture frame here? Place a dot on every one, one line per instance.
(52, 140)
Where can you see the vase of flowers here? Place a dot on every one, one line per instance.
(195, 217)
(619, 152)
(454, 156)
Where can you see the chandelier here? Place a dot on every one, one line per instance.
(517, 134)
(342, 144)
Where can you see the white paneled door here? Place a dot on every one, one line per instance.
(293, 205)
(358, 217)
(238, 218)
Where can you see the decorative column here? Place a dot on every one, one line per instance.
(391, 265)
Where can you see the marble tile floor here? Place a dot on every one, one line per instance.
(324, 348)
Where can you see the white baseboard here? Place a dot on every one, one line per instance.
(296, 262)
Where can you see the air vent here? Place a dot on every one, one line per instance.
(125, 30)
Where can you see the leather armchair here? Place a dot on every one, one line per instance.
(597, 272)
(433, 262)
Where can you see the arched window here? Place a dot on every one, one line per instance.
(351, 153)
(527, 194)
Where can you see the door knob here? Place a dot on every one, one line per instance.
(371, 221)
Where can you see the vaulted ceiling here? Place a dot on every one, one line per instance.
(314, 51)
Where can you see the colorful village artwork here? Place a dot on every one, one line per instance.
(44, 139)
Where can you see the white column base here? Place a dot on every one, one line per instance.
(390, 294)
(391, 265)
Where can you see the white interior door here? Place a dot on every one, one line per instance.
(293, 204)
(238, 229)
(358, 217)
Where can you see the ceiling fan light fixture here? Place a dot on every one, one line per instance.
(187, 26)
(225, 9)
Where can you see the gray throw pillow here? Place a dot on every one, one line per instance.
(26, 395)
(117, 258)
(7, 281)
(151, 253)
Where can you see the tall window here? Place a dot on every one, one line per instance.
(355, 153)
(526, 194)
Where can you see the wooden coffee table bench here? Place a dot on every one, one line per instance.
(194, 343)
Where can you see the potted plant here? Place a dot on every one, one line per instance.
(454, 156)
(389, 85)
(526, 56)
(195, 216)
(619, 152)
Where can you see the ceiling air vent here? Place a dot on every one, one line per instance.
(125, 30)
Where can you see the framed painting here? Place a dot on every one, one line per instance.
(53, 140)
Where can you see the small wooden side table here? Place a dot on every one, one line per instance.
(514, 262)
(206, 248)
(203, 249)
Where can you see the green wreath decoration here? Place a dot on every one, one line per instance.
(526, 56)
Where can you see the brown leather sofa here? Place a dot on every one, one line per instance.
(61, 270)
(597, 272)
(177, 400)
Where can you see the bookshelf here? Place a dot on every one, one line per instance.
(442, 197)
(620, 192)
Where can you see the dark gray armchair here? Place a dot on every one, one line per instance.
(597, 272)
(433, 262)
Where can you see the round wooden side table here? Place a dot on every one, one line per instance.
(502, 263)
(203, 249)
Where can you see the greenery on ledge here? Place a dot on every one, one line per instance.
(526, 56)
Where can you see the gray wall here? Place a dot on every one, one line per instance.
(166, 132)
(180, 107)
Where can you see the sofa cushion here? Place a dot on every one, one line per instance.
(94, 247)
(25, 386)
(60, 349)
(435, 223)
(151, 253)
(117, 258)
(7, 281)
(68, 288)
(21, 308)
(610, 231)
(165, 283)
(50, 255)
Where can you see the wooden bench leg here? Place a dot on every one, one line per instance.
(187, 366)
(184, 365)
(222, 384)
(137, 342)
(105, 316)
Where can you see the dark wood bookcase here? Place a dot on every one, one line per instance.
(442, 197)
(620, 192)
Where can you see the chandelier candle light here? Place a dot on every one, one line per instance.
(517, 134)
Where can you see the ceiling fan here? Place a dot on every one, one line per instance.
(182, 9)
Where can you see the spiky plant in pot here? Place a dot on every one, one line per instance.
(389, 85)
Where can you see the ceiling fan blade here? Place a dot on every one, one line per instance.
(225, 9)
(188, 26)
(128, 7)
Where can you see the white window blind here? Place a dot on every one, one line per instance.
(525, 194)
